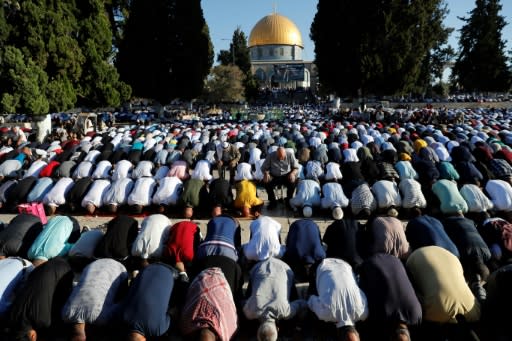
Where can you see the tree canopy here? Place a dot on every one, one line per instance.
(166, 51)
(225, 85)
(482, 63)
(55, 55)
(375, 46)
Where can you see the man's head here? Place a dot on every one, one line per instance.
(267, 331)
(206, 335)
(281, 153)
(348, 333)
(337, 213)
(307, 211)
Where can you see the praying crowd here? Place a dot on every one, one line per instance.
(418, 246)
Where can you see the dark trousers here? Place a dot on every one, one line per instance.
(279, 181)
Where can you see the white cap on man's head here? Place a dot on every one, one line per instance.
(337, 213)
(307, 211)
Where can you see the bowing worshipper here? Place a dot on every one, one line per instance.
(143, 169)
(341, 238)
(478, 202)
(474, 252)
(333, 199)
(181, 246)
(150, 242)
(141, 194)
(195, 192)
(93, 200)
(333, 172)
(412, 196)
(264, 241)
(17, 237)
(35, 168)
(495, 323)
(500, 193)
(82, 252)
(180, 170)
(221, 196)
(351, 170)
(5, 190)
(307, 197)
(363, 202)
(35, 311)
(425, 230)
(117, 194)
(145, 310)
(280, 168)
(93, 301)
(209, 312)
(102, 170)
(135, 150)
(336, 297)
(11, 168)
(303, 247)
(497, 234)
(40, 189)
(77, 192)
(118, 240)
(13, 273)
(84, 169)
(463, 160)
(392, 301)
(223, 237)
(121, 169)
(56, 239)
(386, 235)
(369, 167)
(246, 199)
(445, 297)
(273, 297)
(387, 197)
(452, 203)
(404, 167)
(56, 196)
(18, 194)
(50, 169)
(388, 159)
(168, 193)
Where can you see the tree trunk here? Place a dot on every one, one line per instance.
(43, 127)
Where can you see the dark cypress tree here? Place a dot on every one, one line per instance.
(166, 51)
(482, 63)
(373, 46)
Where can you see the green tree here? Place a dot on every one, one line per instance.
(166, 51)
(59, 50)
(374, 46)
(99, 84)
(225, 85)
(482, 62)
(239, 53)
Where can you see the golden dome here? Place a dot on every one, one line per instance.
(275, 29)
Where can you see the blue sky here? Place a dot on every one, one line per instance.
(224, 16)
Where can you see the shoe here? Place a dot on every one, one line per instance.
(271, 206)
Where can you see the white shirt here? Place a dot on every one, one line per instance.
(152, 237)
(202, 171)
(102, 170)
(386, 193)
(340, 300)
(92, 156)
(254, 155)
(168, 192)
(264, 242)
(95, 194)
(307, 194)
(121, 169)
(333, 196)
(412, 196)
(500, 193)
(117, 193)
(83, 170)
(161, 172)
(35, 168)
(143, 168)
(142, 192)
(333, 171)
(475, 198)
(362, 197)
(243, 171)
(258, 174)
(57, 195)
